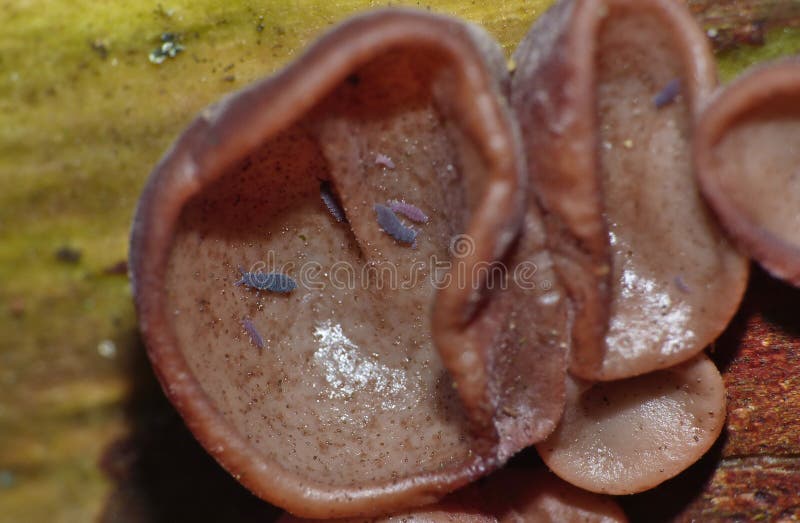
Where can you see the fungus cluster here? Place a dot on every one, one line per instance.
(369, 280)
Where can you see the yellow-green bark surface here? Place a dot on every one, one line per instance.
(84, 115)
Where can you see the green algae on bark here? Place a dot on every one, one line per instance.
(781, 41)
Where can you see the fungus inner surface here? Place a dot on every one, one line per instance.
(667, 253)
(348, 389)
(757, 161)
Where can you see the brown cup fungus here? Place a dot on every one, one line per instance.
(349, 291)
(627, 436)
(606, 93)
(286, 255)
(747, 152)
(510, 496)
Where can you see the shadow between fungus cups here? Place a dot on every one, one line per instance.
(345, 281)
(329, 399)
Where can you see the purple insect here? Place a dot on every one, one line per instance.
(267, 281)
(681, 284)
(331, 202)
(668, 94)
(382, 159)
(392, 225)
(255, 337)
(412, 212)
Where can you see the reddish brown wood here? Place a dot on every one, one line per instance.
(758, 474)
(763, 378)
(749, 489)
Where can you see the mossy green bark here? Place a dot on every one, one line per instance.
(780, 42)
(84, 115)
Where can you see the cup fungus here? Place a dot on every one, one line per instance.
(627, 436)
(606, 93)
(349, 291)
(747, 152)
(510, 496)
(291, 326)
